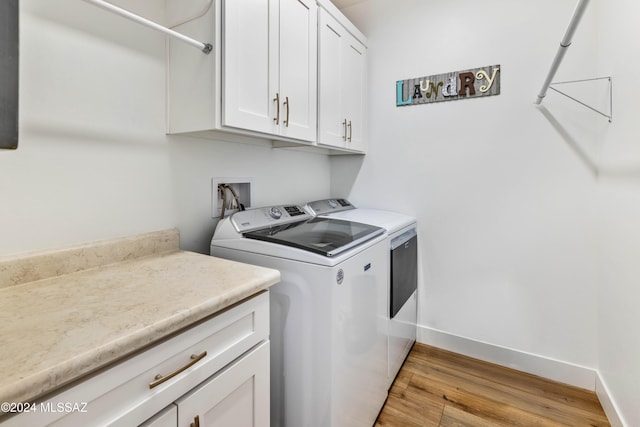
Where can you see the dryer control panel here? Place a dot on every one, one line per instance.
(266, 217)
(327, 206)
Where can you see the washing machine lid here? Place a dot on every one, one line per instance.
(324, 236)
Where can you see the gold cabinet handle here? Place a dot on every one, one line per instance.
(344, 130)
(286, 102)
(196, 421)
(277, 101)
(159, 379)
(350, 131)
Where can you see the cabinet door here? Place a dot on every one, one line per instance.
(168, 417)
(332, 116)
(249, 75)
(298, 68)
(238, 396)
(354, 81)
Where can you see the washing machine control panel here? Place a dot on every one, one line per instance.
(275, 213)
(254, 219)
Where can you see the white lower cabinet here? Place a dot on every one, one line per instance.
(217, 370)
(168, 417)
(234, 397)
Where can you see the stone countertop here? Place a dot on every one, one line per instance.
(56, 329)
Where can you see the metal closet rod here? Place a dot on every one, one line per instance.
(204, 47)
(564, 44)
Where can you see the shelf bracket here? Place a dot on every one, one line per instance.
(608, 116)
(204, 47)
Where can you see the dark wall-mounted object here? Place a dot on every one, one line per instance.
(9, 73)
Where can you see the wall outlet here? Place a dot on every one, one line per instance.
(242, 187)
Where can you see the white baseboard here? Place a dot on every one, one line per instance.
(557, 370)
(608, 404)
(553, 369)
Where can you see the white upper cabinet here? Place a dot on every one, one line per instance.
(342, 80)
(354, 92)
(298, 68)
(331, 128)
(250, 75)
(260, 79)
(285, 70)
(270, 67)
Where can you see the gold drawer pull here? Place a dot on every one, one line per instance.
(159, 379)
(196, 421)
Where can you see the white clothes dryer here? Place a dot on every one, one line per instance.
(401, 276)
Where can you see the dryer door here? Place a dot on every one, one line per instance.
(404, 270)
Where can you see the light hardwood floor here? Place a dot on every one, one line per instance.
(439, 388)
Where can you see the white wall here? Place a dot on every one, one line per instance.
(522, 210)
(504, 192)
(93, 161)
(279, 176)
(619, 209)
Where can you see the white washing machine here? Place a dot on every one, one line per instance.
(328, 331)
(401, 278)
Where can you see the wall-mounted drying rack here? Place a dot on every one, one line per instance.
(564, 45)
(204, 47)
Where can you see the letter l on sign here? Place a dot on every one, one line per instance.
(399, 101)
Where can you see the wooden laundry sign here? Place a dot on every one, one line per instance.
(465, 84)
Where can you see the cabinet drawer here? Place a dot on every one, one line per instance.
(121, 394)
